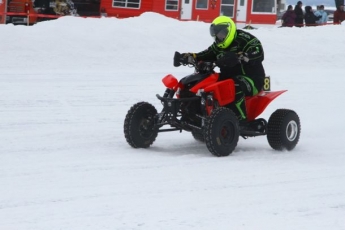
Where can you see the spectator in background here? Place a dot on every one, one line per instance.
(309, 17)
(288, 19)
(339, 15)
(321, 12)
(299, 14)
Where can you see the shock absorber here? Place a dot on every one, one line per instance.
(169, 93)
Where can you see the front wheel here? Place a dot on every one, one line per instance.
(221, 132)
(283, 129)
(139, 126)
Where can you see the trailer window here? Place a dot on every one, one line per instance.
(171, 5)
(264, 6)
(201, 4)
(227, 8)
(127, 3)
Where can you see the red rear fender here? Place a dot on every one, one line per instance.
(258, 103)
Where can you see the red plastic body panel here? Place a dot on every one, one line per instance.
(170, 81)
(258, 103)
(223, 91)
(206, 82)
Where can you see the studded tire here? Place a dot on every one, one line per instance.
(283, 129)
(139, 128)
(221, 132)
(198, 135)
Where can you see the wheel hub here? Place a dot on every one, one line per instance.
(146, 127)
(227, 133)
(291, 130)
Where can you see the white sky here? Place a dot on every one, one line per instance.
(312, 2)
(66, 86)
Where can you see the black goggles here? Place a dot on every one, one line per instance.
(219, 31)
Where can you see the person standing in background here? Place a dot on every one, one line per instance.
(321, 12)
(288, 19)
(339, 15)
(299, 14)
(309, 17)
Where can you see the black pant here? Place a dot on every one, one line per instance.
(245, 86)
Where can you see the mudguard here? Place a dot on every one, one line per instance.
(206, 82)
(223, 91)
(170, 81)
(258, 103)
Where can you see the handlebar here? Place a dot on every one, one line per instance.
(201, 66)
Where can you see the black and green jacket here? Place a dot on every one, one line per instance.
(243, 42)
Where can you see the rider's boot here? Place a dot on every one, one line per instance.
(239, 108)
(241, 111)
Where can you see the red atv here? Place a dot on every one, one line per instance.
(198, 104)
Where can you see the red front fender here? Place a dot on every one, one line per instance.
(206, 82)
(170, 81)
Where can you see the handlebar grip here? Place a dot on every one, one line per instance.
(177, 59)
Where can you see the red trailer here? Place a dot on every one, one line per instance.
(2, 11)
(241, 11)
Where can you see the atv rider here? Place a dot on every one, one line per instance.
(239, 56)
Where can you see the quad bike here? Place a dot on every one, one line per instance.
(198, 103)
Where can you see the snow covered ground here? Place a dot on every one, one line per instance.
(66, 86)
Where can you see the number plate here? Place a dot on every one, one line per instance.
(267, 83)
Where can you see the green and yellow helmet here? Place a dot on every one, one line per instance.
(223, 29)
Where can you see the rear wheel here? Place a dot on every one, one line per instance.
(221, 132)
(139, 128)
(283, 129)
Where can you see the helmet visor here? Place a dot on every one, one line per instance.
(219, 31)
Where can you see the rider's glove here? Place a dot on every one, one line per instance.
(243, 56)
(188, 58)
(229, 59)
